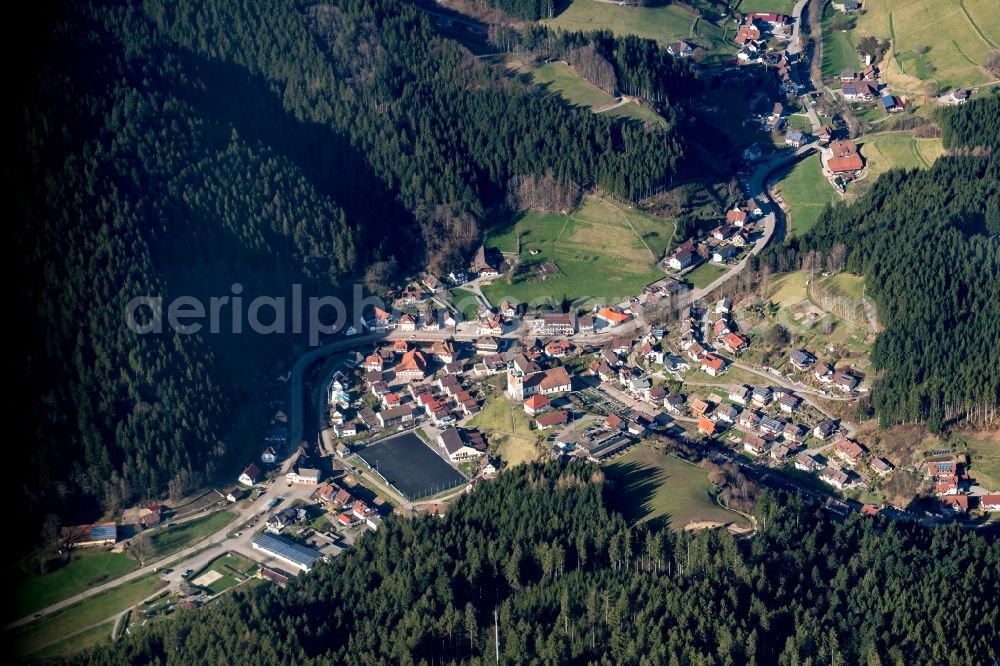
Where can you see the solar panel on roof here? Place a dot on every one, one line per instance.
(103, 531)
(284, 548)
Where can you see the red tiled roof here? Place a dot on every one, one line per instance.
(536, 401)
(850, 163)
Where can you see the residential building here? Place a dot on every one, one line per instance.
(849, 450)
(881, 466)
(801, 359)
(303, 476)
(559, 324)
(554, 418)
(713, 365)
(395, 416)
(251, 474)
(461, 445)
(613, 316)
(536, 404)
(755, 444)
(412, 367)
(268, 455)
(837, 478)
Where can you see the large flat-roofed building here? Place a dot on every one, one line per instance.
(294, 554)
(83, 536)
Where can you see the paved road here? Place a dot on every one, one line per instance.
(795, 46)
(182, 559)
(756, 188)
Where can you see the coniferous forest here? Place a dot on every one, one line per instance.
(926, 243)
(172, 148)
(571, 582)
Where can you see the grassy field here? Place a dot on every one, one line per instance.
(176, 537)
(654, 486)
(667, 23)
(75, 644)
(465, 301)
(776, 6)
(227, 565)
(86, 570)
(603, 250)
(942, 41)
(849, 329)
(31, 638)
(634, 111)
(559, 78)
(508, 428)
(899, 151)
(985, 450)
(799, 122)
(838, 47)
(806, 193)
(705, 274)
(844, 284)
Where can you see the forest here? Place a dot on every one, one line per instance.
(571, 582)
(926, 242)
(629, 65)
(175, 148)
(974, 124)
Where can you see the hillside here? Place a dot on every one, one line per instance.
(936, 228)
(572, 583)
(310, 144)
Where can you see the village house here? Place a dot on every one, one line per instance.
(720, 327)
(755, 445)
(727, 413)
(747, 32)
(750, 419)
(780, 452)
(740, 394)
(736, 218)
(395, 416)
(268, 455)
(881, 466)
(771, 426)
(680, 49)
(559, 324)
(837, 478)
(735, 342)
(892, 104)
(487, 345)
(507, 309)
(845, 381)
(789, 403)
(558, 348)
(674, 403)
(824, 429)
(408, 323)
(613, 316)
(713, 365)
(412, 367)
(807, 463)
(490, 325)
(683, 256)
(552, 419)
(724, 253)
(761, 396)
(699, 407)
(536, 404)
(801, 359)
(586, 324)
(794, 433)
(795, 139)
(461, 445)
(379, 320)
(849, 450)
(482, 263)
(251, 475)
(303, 476)
(443, 351)
(706, 426)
